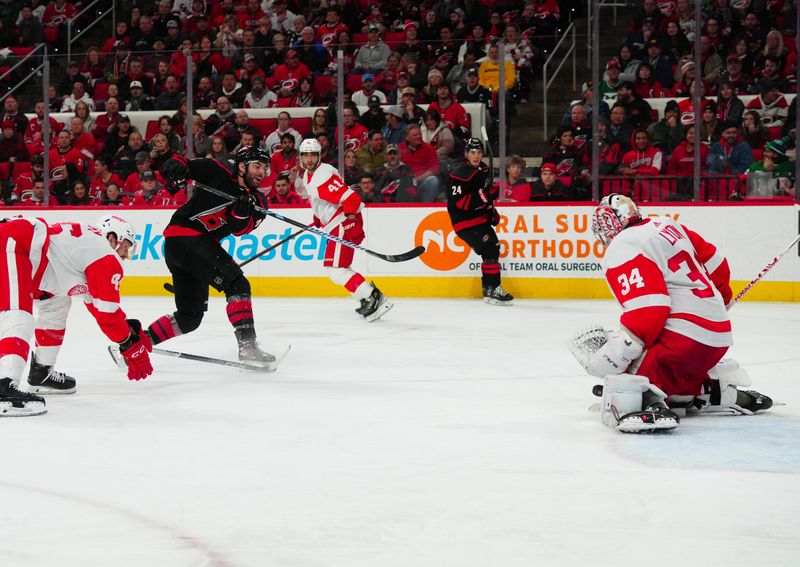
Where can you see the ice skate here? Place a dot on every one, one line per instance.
(375, 306)
(42, 379)
(251, 353)
(16, 403)
(497, 296)
(752, 400)
(655, 418)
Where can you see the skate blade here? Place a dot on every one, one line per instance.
(493, 301)
(268, 366)
(383, 308)
(664, 426)
(30, 409)
(116, 356)
(45, 391)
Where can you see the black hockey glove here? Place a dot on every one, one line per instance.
(494, 217)
(244, 206)
(176, 172)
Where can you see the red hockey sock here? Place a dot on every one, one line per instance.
(163, 328)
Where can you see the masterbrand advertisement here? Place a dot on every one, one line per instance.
(547, 251)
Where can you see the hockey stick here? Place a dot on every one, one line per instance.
(404, 257)
(763, 272)
(220, 361)
(170, 288)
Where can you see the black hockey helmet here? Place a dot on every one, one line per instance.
(249, 154)
(473, 144)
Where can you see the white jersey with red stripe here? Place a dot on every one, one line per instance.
(81, 262)
(328, 193)
(667, 277)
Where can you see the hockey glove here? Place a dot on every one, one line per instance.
(615, 356)
(136, 329)
(352, 230)
(176, 171)
(244, 206)
(135, 353)
(494, 217)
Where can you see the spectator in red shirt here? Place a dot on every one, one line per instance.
(102, 178)
(422, 160)
(12, 146)
(681, 163)
(25, 182)
(286, 158)
(289, 74)
(58, 13)
(453, 114)
(36, 198)
(81, 140)
(517, 188)
(355, 135)
(283, 192)
(104, 121)
(249, 17)
(33, 130)
(152, 192)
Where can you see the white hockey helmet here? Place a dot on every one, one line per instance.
(310, 146)
(120, 228)
(614, 213)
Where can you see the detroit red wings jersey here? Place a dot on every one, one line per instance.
(81, 262)
(666, 276)
(329, 194)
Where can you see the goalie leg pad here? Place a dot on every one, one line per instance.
(631, 404)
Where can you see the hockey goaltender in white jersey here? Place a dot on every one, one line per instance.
(48, 264)
(667, 356)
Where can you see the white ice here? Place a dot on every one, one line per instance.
(451, 433)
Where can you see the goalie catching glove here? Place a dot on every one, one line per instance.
(135, 351)
(603, 353)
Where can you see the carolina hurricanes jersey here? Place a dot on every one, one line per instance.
(667, 277)
(329, 194)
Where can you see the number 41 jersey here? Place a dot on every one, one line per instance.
(328, 193)
(667, 277)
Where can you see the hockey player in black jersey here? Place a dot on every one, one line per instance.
(194, 255)
(470, 202)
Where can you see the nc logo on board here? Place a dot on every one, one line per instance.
(444, 250)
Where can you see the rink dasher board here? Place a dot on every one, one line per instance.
(548, 250)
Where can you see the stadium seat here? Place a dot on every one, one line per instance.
(324, 86)
(352, 83)
(21, 51)
(100, 92)
(758, 155)
(302, 125)
(22, 168)
(152, 130)
(264, 125)
(284, 102)
(393, 39)
(774, 133)
(359, 39)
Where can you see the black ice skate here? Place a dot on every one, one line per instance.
(752, 400)
(375, 306)
(497, 296)
(251, 353)
(42, 379)
(16, 403)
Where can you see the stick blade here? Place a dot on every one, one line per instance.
(404, 257)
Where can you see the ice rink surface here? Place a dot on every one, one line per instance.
(451, 433)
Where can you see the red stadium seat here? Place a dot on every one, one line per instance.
(393, 39)
(22, 168)
(270, 83)
(152, 130)
(324, 86)
(100, 92)
(360, 39)
(302, 125)
(4, 69)
(284, 102)
(21, 51)
(264, 125)
(774, 133)
(352, 83)
(51, 35)
(758, 155)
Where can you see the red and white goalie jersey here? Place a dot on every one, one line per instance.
(329, 194)
(80, 261)
(666, 277)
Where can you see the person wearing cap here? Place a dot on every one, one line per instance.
(743, 84)
(608, 88)
(33, 129)
(259, 96)
(117, 136)
(729, 155)
(667, 133)
(473, 91)
(457, 76)
(152, 192)
(394, 180)
(412, 112)
(288, 74)
(372, 56)
(396, 93)
(374, 118)
(548, 186)
(71, 76)
(12, 145)
(775, 160)
(361, 98)
(637, 110)
(660, 64)
(138, 99)
(394, 130)
(771, 105)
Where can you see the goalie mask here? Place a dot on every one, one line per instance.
(122, 230)
(614, 213)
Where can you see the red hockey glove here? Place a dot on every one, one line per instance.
(135, 350)
(352, 230)
(316, 223)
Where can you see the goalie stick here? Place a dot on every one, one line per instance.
(403, 257)
(762, 273)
